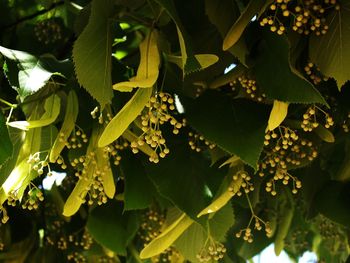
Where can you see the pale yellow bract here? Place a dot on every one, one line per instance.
(71, 114)
(278, 114)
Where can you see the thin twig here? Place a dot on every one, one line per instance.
(31, 16)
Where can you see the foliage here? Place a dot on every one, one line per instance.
(185, 130)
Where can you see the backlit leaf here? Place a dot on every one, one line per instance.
(331, 51)
(191, 242)
(278, 114)
(28, 74)
(221, 222)
(6, 147)
(124, 117)
(92, 53)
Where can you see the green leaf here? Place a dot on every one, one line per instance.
(332, 201)
(189, 62)
(235, 32)
(238, 119)
(6, 147)
(92, 53)
(183, 171)
(138, 188)
(111, 227)
(191, 242)
(286, 212)
(205, 60)
(325, 134)
(221, 222)
(6, 168)
(116, 127)
(331, 51)
(167, 237)
(27, 74)
(277, 78)
(222, 13)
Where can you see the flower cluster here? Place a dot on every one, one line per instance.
(212, 251)
(305, 18)
(157, 113)
(48, 31)
(198, 143)
(284, 150)
(310, 121)
(249, 87)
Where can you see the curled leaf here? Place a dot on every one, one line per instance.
(148, 70)
(71, 114)
(117, 126)
(167, 237)
(52, 110)
(278, 114)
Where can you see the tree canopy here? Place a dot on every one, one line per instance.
(182, 130)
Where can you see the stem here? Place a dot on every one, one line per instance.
(8, 103)
(31, 16)
(134, 253)
(250, 204)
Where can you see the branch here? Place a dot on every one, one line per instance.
(31, 16)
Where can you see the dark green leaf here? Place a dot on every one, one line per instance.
(222, 13)
(225, 122)
(183, 171)
(332, 201)
(139, 189)
(190, 64)
(331, 51)
(112, 228)
(277, 78)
